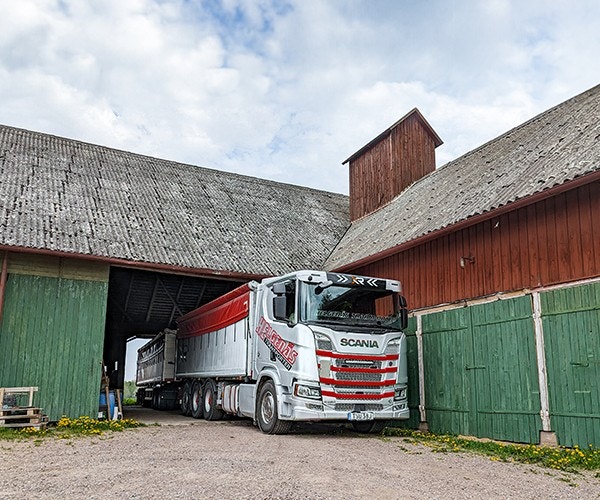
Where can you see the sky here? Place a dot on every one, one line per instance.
(287, 90)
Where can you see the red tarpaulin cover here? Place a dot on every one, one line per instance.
(224, 311)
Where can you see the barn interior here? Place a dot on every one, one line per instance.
(142, 303)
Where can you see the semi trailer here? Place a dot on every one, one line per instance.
(306, 346)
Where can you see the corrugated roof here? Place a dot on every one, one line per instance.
(67, 196)
(555, 147)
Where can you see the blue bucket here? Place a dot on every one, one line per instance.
(111, 405)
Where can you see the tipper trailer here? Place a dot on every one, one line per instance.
(307, 346)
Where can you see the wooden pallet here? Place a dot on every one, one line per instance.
(6, 391)
(22, 416)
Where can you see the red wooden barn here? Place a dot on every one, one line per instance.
(499, 255)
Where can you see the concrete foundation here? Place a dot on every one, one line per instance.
(548, 438)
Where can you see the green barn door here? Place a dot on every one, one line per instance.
(481, 371)
(505, 379)
(51, 336)
(571, 319)
(447, 349)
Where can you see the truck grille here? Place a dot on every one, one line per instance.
(350, 378)
(354, 363)
(363, 377)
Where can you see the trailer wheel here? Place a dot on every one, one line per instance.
(156, 399)
(372, 427)
(211, 412)
(146, 401)
(196, 402)
(266, 414)
(141, 392)
(186, 399)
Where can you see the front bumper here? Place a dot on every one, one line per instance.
(299, 409)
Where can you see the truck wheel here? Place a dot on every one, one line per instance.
(139, 395)
(156, 400)
(211, 412)
(186, 399)
(146, 401)
(266, 411)
(196, 402)
(372, 427)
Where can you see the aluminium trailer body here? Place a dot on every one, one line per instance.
(155, 373)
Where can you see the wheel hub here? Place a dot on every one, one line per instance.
(267, 408)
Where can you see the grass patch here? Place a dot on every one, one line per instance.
(129, 401)
(67, 428)
(559, 458)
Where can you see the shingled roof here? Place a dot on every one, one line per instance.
(551, 149)
(68, 196)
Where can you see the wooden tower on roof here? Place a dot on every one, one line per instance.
(396, 158)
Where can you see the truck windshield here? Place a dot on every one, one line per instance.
(349, 306)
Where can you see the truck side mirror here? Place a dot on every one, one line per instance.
(402, 306)
(404, 319)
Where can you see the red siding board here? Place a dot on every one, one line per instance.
(515, 266)
(574, 259)
(563, 220)
(552, 241)
(594, 227)
(494, 261)
(542, 243)
(531, 244)
(586, 210)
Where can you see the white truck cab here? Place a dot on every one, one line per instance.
(328, 346)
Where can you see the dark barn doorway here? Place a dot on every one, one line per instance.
(142, 303)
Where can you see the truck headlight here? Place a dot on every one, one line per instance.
(399, 393)
(307, 391)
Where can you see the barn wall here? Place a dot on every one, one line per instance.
(52, 331)
(389, 166)
(480, 365)
(556, 240)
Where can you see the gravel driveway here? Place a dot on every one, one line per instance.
(232, 459)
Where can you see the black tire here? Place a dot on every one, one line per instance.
(266, 411)
(209, 402)
(146, 402)
(196, 401)
(186, 399)
(370, 427)
(156, 399)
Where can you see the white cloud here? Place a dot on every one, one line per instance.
(287, 90)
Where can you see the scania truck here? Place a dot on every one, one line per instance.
(307, 346)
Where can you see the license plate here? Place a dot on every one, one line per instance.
(357, 417)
